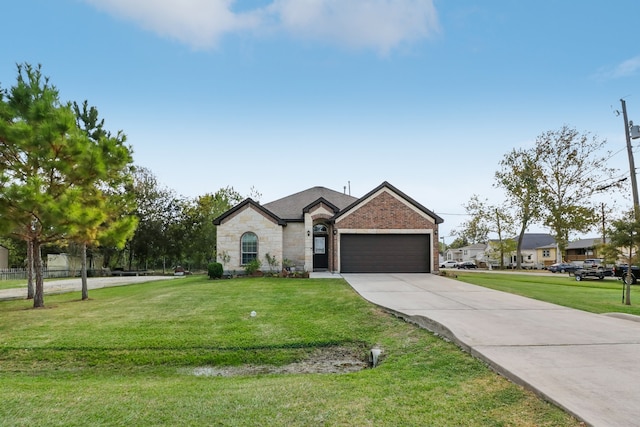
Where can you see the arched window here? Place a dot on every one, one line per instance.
(319, 229)
(248, 247)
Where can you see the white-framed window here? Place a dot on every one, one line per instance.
(248, 247)
(546, 253)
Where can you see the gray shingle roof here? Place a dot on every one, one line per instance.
(584, 243)
(535, 240)
(291, 207)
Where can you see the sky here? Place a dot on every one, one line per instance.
(284, 95)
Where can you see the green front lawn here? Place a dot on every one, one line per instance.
(596, 296)
(128, 357)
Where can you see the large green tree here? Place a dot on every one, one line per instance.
(108, 204)
(475, 229)
(158, 209)
(519, 176)
(624, 241)
(200, 232)
(571, 168)
(489, 219)
(49, 168)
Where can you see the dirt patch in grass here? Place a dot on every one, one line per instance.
(329, 360)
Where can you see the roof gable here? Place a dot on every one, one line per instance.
(320, 201)
(386, 185)
(248, 203)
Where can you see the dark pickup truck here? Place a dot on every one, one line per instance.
(620, 271)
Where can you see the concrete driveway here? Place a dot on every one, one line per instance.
(588, 364)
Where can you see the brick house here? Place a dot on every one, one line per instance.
(324, 230)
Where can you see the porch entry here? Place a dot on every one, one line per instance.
(320, 247)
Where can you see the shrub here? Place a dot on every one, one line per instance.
(253, 266)
(272, 261)
(215, 270)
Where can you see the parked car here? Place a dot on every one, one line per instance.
(593, 263)
(466, 265)
(449, 264)
(562, 267)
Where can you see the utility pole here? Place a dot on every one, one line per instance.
(636, 210)
(632, 166)
(604, 225)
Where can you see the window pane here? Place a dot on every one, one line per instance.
(249, 247)
(318, 245)
(319, 228)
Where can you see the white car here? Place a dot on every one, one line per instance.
(449, 264)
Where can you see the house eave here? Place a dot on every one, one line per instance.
(250, 202)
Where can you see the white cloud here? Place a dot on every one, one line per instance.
(198, 23)
(377, 24)
(627, 68)
(381, 25)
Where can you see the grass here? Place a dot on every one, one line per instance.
(125, 357)
(596, 296)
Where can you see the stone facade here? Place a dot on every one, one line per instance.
(270, 238)
(294, 244)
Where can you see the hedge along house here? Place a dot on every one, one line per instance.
(320, 229)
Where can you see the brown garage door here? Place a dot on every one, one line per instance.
(385, 253)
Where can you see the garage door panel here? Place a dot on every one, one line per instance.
(385, 253)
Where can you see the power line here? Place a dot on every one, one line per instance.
(604, 187)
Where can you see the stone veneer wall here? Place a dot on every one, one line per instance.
(294, 241)
(269, 234)
(386, 213)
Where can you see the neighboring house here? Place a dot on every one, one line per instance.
(535, 252)
(582, 249)
(71, 263)
(548, 254)
(4, 257)
(321, 229)
(453, 255)
(473, 253)
(529, 250)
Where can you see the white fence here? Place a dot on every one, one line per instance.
(21, 273)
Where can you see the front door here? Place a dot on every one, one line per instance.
(320, 250)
